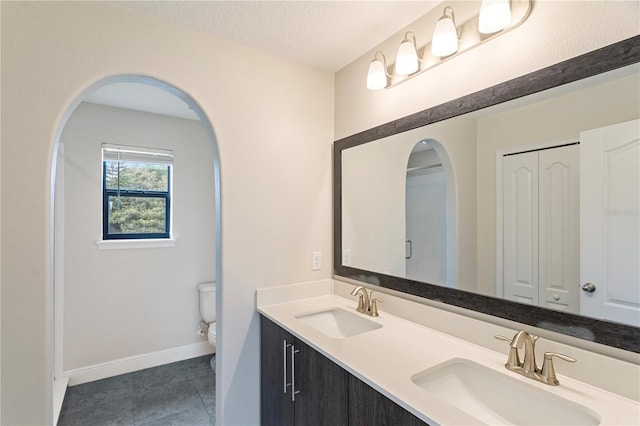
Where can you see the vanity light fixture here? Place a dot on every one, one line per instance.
(378, 76)
(445, 36)
(492, 19)
(407, 57)
(495, 15)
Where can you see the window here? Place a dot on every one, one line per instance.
(136, 193)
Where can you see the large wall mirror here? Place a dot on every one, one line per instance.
(519, 201)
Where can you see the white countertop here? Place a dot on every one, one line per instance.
(387, 357)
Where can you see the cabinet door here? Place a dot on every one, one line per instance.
(323, 387)
(276, 406)
(368, 407)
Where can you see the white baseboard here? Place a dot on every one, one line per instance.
(135, 363)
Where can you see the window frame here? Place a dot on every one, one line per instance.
(106, 193)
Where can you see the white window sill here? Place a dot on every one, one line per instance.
(135, 244)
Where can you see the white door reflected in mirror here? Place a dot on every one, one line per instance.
(610, 222)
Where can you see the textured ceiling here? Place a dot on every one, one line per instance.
(324, 34)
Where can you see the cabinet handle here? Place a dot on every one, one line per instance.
(294, 392)
(285, 345)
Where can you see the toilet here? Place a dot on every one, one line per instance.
(208, 313)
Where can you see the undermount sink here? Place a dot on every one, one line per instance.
(338, 323)
(495, 398)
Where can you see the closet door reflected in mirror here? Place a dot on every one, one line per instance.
(540, 227)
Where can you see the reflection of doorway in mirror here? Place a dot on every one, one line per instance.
(610, 222)
(540, 228)
(426, 216)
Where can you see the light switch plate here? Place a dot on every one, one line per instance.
(316, 260)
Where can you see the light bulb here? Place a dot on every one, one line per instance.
(377, 75)
(407, 57)
(495, 15)
(445, 36)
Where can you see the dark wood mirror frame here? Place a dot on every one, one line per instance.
(626, 52)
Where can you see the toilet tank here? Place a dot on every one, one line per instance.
(207, 301)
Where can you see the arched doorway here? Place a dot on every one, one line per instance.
(214, 186)
(430, 212)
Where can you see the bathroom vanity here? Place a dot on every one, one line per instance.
(324, 363)
(299, 385)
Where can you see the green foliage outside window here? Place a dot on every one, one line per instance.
(137, 197)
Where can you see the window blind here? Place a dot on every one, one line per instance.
(112, 152)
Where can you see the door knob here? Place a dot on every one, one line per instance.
(589, 287)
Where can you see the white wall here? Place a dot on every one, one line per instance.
(130, 302)
(373, 227)
(273, 121)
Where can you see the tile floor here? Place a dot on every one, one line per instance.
(181, 393)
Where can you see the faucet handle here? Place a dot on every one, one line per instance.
(513, 360)
(548, 371)
(374, 306)
(361, 307)
(358, 292)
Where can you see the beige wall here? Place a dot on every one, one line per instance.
(273, 121)
(138, 301)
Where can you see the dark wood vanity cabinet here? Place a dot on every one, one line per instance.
(276, 407)
(369, 407)
(298, 385)
(325, 394)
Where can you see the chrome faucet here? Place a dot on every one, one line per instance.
(528, 367)
(367, 304)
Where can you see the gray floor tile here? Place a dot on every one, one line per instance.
(157, 376)
(178, 393)
(206, 386)
(98, 392)
(194, 417)
(164, 401)
(118, 412)
(198, 367)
